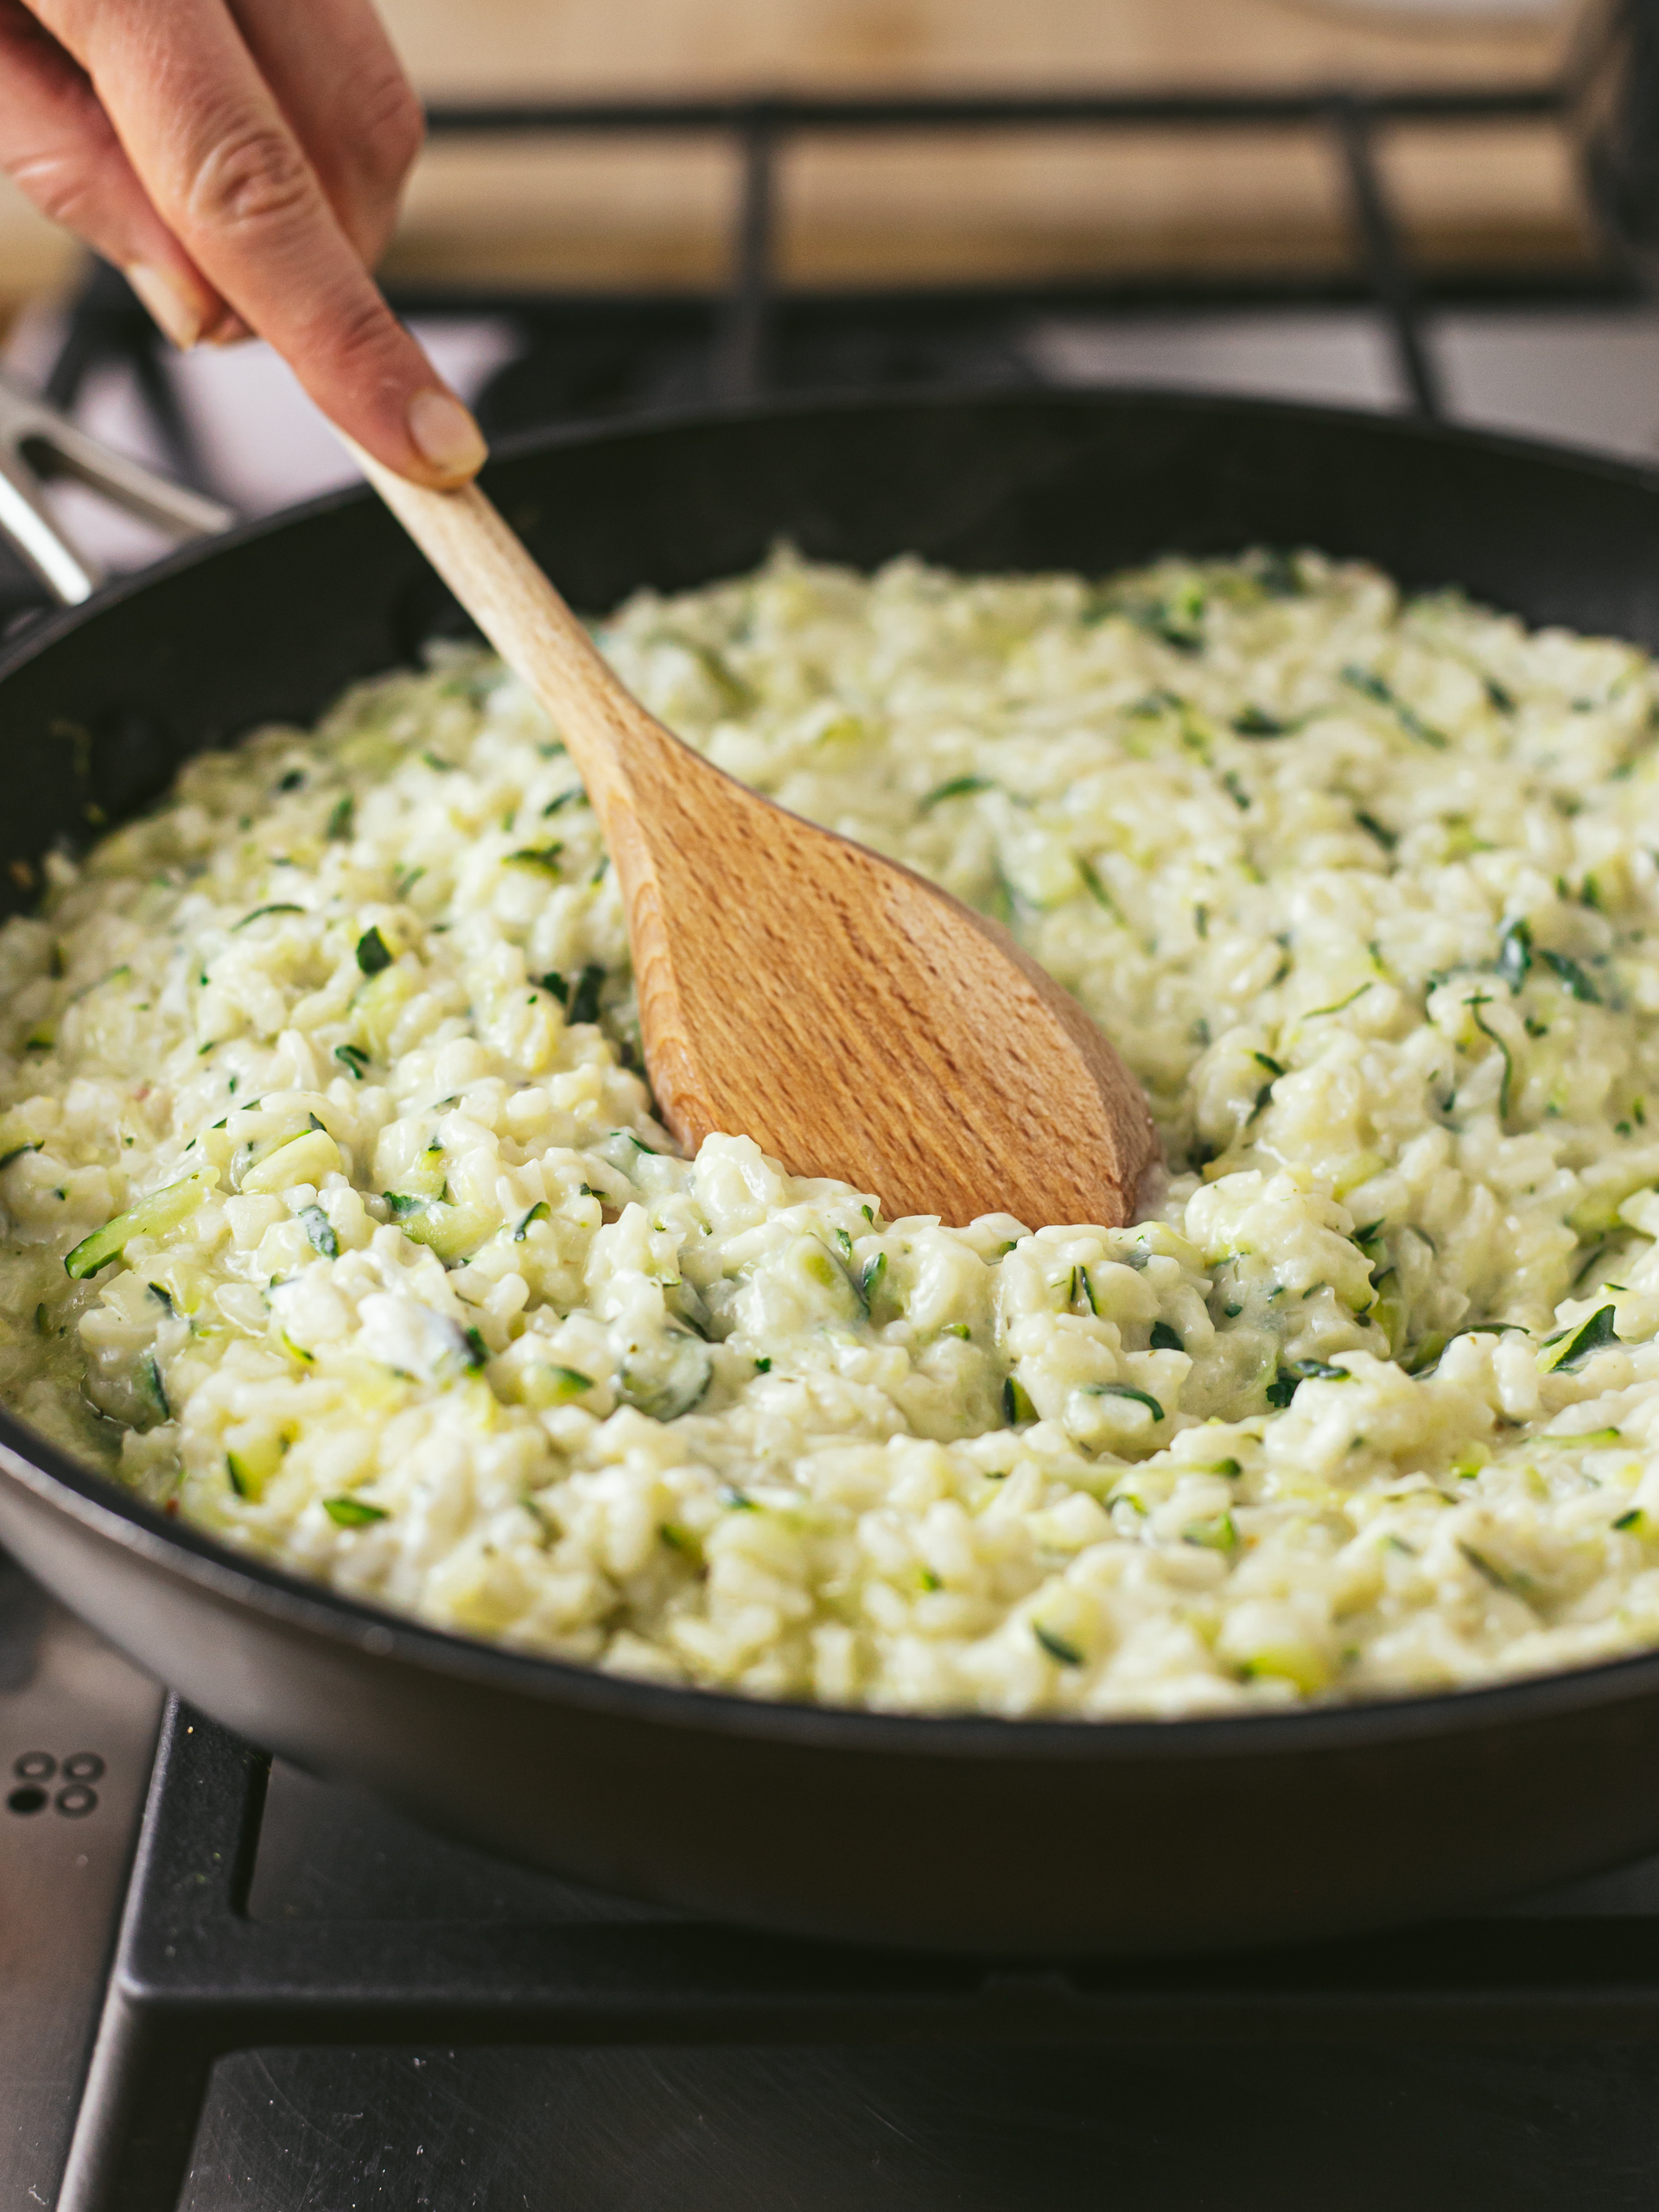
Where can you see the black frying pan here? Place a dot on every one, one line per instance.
(987, 1834)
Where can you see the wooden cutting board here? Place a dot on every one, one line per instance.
(668, 46)
(634, 214)
(1050, 206)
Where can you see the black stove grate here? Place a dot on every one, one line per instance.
(199, 1977)
(589, 355)
(744, 328)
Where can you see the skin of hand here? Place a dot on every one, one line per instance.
(241, 161)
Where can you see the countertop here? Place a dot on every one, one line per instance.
(598, 214)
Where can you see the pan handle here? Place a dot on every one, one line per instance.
(37, 442)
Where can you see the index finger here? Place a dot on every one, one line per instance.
(228, 176)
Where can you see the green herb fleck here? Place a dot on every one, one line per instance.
(1571, 975)
(1514, 952)
(151, 1386)
(373, 955)
(1517, 1586)
(1097, 888)
(1294, 1373)
(1217, 1533)
(958, 787)
(1125, 1390)
(277, 906)
(1341, 1006)
(352, 1512)
(1058, 1647)
(1596, 1334)
(545, 857)
(1255, 721)
(1367, 682)
(584, 1000)
(1474, 1006)
(319, 1230)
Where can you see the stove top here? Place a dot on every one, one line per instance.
(315, 2006)
(77, 1733)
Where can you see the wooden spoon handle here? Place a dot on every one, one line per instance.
(490, 572)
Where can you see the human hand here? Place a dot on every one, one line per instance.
(241, 161)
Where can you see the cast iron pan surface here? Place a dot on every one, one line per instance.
(977, 1834)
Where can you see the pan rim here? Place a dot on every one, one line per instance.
(39, 636)
(32, 1463)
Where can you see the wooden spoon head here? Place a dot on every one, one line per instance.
(793, 988)
(857, 1021)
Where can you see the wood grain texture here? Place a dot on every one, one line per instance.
(602, 213)
(664, 46)
(854, 1020)
(1049, 207)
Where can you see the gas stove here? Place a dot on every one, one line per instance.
(226, 1986)
(310, 2005)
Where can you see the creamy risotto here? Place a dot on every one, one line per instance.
(337, 1222)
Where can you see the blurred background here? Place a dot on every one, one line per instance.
(1437, 204)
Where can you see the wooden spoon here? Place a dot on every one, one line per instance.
(851, 1019)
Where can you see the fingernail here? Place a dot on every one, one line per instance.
(445, 433)
(171, 305)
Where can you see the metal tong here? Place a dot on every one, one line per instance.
(38, 443)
